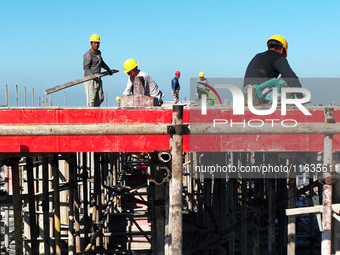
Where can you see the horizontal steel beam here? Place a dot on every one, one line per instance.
(84, 129)
(264, 128)
(161, 129)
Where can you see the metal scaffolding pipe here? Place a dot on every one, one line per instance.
(264, 128)
(31, 205)
(84, 129)
(56, 202)
(326, 243)
(161, 129)
(175, 192)
(45, 206)
(17, 207)
(6, 238)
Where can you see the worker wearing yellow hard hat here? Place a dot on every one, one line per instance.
(92, 64)
(270, 64)
(140, 82)
(201, 87)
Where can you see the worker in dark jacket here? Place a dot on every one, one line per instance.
(270, 64)
(92, 64)
(175, 86)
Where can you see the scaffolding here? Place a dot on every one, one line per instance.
(111, 198)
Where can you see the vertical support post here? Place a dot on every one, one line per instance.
(271, 209)
(6, 213)
(17, 206)
(56, 200)
(244, 234)
(336, 223)
(85, 199)
(70, 170)
(45, 206)
(291, 245)
(31, 205)
(231, 205)
(282, 218)
(175, 194)
(16, 96)
(257, 207)
(74, 172)
(6, 95)
(25, 96)
(97, 194)
(160, 230)
(326, 248)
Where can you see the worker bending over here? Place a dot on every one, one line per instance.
(270, 64)
(140, 82)
(92, 64)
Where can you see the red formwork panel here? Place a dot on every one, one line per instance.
(260, 142)
(149, 143)
(93, 143)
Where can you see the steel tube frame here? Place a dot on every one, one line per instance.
(175, 187)
(326, 243)
(161, 129)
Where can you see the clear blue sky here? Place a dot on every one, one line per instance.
(44, 41)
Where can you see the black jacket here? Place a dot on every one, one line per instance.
(267, 65)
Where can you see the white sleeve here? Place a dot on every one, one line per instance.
(128, 89)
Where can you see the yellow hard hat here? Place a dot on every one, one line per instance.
(94, 38)
(201, 74)
(118, 98)
(280, 39)
(129, 65)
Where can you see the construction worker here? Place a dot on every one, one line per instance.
(92, 64)
(200, 85)
(175, 86)
(270, 64)
(140, 82)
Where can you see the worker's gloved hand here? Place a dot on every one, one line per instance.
(175, 95)
(299, 95)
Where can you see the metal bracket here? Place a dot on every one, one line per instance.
(166, 177)
(178, 129)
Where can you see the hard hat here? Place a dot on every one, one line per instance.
(94, 38)
(177, 73)
(118, 98)
(280, 39)
(129, 65)
(201, 74)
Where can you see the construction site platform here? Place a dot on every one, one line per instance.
(143, 129)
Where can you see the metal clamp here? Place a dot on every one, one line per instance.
(178, 129)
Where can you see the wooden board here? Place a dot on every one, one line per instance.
(77, 81)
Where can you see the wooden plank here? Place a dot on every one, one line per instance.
(304, 210)
(77, 81)
(311, 209)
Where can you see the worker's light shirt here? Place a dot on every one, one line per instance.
(150, 86)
